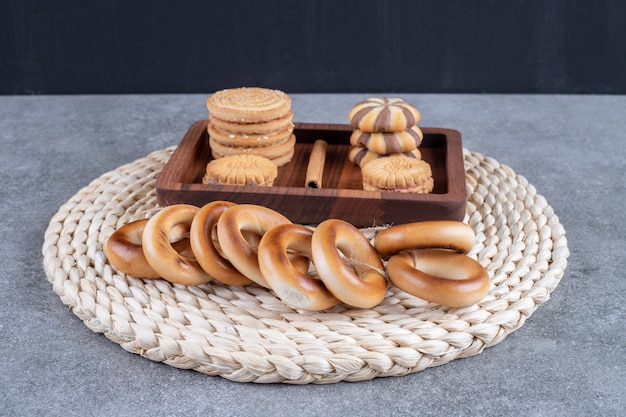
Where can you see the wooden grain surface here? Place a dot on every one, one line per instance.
(342, 195)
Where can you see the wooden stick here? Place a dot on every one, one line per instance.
(315, 169)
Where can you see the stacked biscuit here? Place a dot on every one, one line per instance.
(385, 144)
(251, 120)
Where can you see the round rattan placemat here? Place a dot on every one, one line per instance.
(249, 335)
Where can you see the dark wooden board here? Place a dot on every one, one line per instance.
(341, 195)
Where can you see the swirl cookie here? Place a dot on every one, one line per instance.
(241, 169)
(360, 155)
(388, 142)
(398, 174)
(383, 115)
(248, 104)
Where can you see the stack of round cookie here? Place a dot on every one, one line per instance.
(251, 120)
(385, 133)
(382, 127)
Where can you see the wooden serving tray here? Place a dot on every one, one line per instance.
(341, 195)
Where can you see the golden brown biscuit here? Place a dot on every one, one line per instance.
(279, 160)
(277, 152)
(270, 126)
(383, 115)
(398, 174)
(248, 104)
(388, 142)
(241, 169)
(285, 158)
(245, 140)
(360, 155)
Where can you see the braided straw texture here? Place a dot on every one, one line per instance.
(249, 335)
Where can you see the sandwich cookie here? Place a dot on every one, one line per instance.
(398, 174)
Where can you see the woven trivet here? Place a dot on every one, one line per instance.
(246, 334)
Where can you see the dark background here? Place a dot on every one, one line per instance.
(429, 46)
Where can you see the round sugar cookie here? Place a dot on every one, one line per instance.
(248, 104)
(280, 154)
(271, 151)
(285, 158)
(388, 142)
(259, 128)
(246, 140)
(241, 169)
(398, 174)
(279, 160)
(383, 115)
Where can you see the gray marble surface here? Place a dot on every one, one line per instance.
(567, 359)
